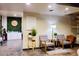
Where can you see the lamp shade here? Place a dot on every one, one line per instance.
(53, 26)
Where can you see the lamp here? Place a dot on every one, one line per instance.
(53, 26)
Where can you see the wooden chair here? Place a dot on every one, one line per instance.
(62, 40)
(68, 41)
(45, 42)
(71, 39)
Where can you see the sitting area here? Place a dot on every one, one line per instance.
(69, 40)
(62, 40)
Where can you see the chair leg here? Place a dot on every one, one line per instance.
(40, 45)
(63, 46)
(1, 43)
(71, 45)
(54, 46)
(45, 49)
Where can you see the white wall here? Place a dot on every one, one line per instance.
(4, 22)
(43, 26)
(63, 25)
(27, 24)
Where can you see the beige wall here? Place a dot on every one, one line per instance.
(42, 23)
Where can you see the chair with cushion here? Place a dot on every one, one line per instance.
(62, 40)
(45, 42)
(71, 39)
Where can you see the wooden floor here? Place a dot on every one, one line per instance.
(14, 48)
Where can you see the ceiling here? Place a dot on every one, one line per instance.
(71, 4)
(40, 8)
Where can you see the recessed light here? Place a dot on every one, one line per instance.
(66, 9)
(49, 6)
(28, 3)
(15, 15)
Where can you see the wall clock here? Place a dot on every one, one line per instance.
(14, 23)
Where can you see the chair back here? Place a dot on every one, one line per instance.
(43, 38)
(71, 38)
(60, 37)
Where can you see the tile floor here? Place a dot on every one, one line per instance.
(14, 48)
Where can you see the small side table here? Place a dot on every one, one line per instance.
(1, 41)
(33, 44)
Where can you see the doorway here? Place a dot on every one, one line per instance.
(14, 28)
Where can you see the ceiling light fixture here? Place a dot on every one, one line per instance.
(66, 9)
(49, 6)
(15, 15)
(28, 3)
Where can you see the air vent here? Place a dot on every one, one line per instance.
(51, 10)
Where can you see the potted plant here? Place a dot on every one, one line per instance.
(33, 33)
(55, 34)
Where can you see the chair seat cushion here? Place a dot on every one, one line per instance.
(67, 42)
(48, 43)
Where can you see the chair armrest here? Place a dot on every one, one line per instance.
(43, 42)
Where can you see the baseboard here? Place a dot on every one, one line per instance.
(77, 44)
(31, 48)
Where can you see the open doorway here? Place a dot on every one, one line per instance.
(14, 28)
(14, 33)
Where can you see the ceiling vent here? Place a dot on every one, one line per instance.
(51, 10)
